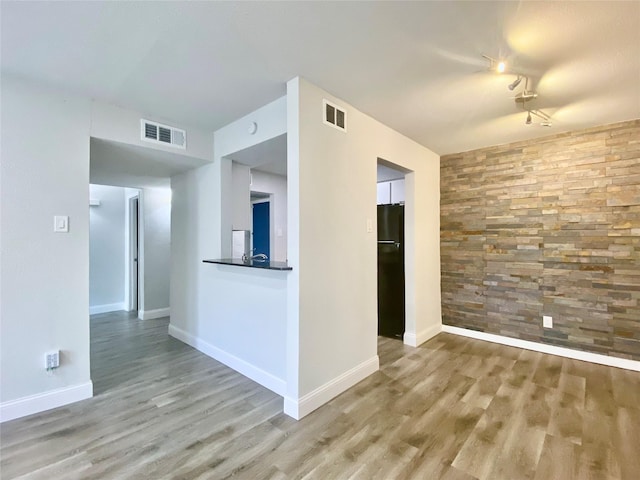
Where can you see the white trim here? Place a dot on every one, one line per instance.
(415, 340)
(551, 349)
(106, 308)
(41, 402)
(321, 395)
(152, 314)
(256, 374)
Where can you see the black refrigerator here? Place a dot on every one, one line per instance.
(391, 271)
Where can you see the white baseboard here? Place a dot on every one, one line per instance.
(151, 314)
(321, 395)
(414, 340)
(41, 402)
(109, 307)
(544, 348)
(256, 374)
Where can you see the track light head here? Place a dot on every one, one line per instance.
(546, 119)
(528, 122)
(515, 83)
(498, 66)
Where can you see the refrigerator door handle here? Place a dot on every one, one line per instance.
(388, 242)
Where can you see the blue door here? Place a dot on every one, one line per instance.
(261, 228)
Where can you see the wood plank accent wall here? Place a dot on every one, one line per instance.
(549, 226)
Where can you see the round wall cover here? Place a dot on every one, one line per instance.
(253, 128)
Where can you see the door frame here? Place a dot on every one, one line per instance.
(134, 266)
(410, 334)
(265, 198)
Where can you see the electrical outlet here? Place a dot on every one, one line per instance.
(547, 321)
(52, 360)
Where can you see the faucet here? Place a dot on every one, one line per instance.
(260, 257)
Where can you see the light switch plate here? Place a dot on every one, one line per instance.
(547, 321)
(61, 223)
(369, 225)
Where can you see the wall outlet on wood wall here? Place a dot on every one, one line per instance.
(547, 321)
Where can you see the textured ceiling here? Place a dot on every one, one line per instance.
(415, 66)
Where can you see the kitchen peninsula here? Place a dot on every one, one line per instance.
(262, 264)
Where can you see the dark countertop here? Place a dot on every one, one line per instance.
(251, 263)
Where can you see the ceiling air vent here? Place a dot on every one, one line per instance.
(158, 133)
(334, 116)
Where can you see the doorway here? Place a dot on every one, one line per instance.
(391, 251)
(261, 228)
(134, 253)
(391, 298)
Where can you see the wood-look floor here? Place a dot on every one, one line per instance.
(455, 408)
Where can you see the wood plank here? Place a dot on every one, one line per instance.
(454, 408)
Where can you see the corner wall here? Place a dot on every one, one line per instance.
(271, 121)
(234, 314)
(546, 227)
(110, 122)
(44, 275)
(106, 249)
(156, 205)
(331, 177)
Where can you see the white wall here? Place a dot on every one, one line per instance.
(276, 187)
(334, 320)
(194, 237)
(156, 257)
(44, 275)
(234, 314)
(106, 249)
(385, 173)
(111, 122)
(285, 336)
(241, 193)
(272, 122)
(109, 255)
(391, 191)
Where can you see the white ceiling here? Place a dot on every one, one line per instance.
(269, 156)
(385, 173)
(125, 165)
(415, 66)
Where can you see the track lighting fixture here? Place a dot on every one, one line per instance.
(545, 119)
(515, 83)
(498, 66)
(525, 98)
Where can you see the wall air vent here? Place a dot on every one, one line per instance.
(334, 116)
(158, 133)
